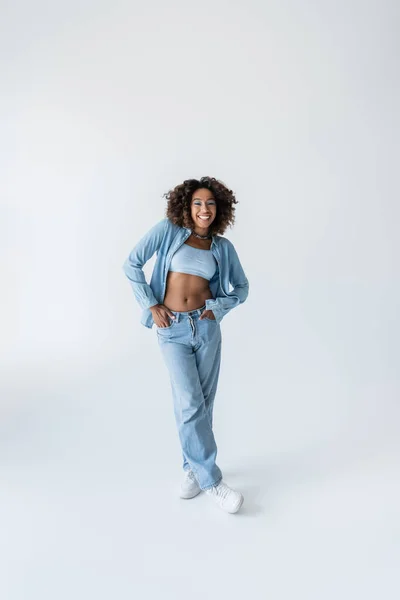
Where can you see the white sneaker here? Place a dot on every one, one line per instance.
(189, 486)
(228, 499)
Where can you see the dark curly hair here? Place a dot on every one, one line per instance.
(178, 209)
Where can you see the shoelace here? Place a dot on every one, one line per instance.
(220, 490)
(190, 475)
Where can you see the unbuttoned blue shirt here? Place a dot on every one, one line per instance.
(165, 238)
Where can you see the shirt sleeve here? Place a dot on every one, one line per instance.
(139, 255)
(238, 280)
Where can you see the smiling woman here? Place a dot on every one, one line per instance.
(187, 298)
(191, 270)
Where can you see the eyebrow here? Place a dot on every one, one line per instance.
(200, 199)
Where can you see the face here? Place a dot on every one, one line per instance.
(203, 209)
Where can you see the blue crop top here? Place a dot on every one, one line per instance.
(194, 261)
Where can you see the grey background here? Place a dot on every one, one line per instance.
(104, 107)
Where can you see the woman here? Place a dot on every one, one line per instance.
(187, 298)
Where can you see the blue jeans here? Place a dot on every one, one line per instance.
(192, 352)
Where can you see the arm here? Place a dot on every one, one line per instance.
(133, 265)
(237, 278)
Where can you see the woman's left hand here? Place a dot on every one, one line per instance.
(207, 314)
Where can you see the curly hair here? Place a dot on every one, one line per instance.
(178, 209)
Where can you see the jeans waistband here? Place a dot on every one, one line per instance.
(180, 314)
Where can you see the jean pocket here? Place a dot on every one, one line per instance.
(168, 326)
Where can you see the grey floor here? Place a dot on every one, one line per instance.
(89, 505)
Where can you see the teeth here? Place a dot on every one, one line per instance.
(204, 218)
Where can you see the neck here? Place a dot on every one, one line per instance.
(201, 232)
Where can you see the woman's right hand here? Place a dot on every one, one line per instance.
(161, 315)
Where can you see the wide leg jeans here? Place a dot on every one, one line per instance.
(191, 349)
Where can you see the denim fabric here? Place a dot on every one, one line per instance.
(191, 349)
(164, 238)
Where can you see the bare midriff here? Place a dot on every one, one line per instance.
(186, 292)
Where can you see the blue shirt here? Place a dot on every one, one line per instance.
(165, 238)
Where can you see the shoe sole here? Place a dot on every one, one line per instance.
(184, 497)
